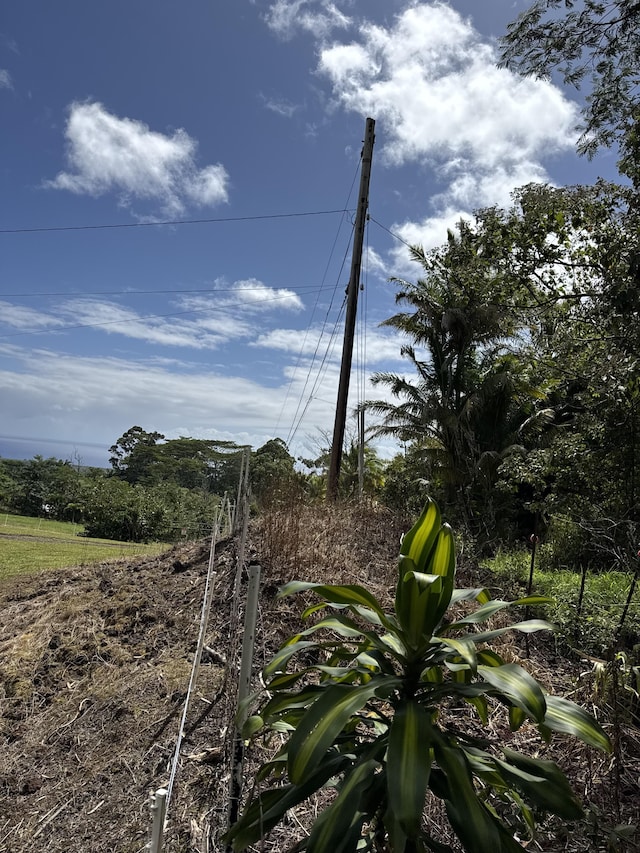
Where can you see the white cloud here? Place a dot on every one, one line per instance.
(382, 346)
(254, 293)
(434, 86)
(5, 79)
(319, 17)
(23, 318)
(280, 106)
(467, 192)
(290, 341)
(106, 153)
(194, 321)
(439, 100)
(95, 399)
(374, 264)
(173, 330)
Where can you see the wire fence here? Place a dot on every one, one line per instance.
(231, 519)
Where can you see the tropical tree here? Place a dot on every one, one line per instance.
(146, 458)
(471, 393)
(365, 711)
(373, 469)
(524, 335)
(133, 453)
(271, 470)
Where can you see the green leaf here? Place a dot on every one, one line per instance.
(339, 826)
(251, 726)
(569, 718)
(419, 595)
(340, 624)
(325, 719)
(474, 825)
(423, 596)
(515, 683)
(418, 543)
(284, 702)
(432, 674)
(516, 717)
(443, 562)
(527, 627)
(278, 662)
(266, 810)
(482, 707)
(409, 764)
(349, 594)
(542, 783)
(490, 658)
(373, 618)
(286, 680)
(480, 594)
(465, 647)
(491, 607)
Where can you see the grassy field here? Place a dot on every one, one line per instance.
(33, 544)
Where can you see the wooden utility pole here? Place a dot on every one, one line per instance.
(350, 319)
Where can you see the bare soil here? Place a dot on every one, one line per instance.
(95, 664)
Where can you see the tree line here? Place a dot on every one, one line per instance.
(519, 407)
(156, 489)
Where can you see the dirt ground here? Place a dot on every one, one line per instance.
(94, 668)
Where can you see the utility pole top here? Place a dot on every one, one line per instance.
(350, 318)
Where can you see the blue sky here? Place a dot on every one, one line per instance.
(250, 113)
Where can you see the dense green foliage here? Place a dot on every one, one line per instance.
(520, 410)
(366, 711)
(157, 490)
(524, 335)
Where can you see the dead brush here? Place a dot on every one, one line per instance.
(332, 543)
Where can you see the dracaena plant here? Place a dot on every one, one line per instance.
(368, 711)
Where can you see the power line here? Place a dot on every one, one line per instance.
(393, 234)
(294, 427)
(322, 368)
(170, 222)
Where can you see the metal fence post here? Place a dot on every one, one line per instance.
(158, 808)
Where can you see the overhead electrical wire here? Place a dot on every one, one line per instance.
(322, 368)
(209, 221)
(319, 376)
(362, 327)
(294, 427)
(389, 231)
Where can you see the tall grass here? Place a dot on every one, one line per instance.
(329, 543)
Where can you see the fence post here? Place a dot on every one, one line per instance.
(244, 689)
(157, 807)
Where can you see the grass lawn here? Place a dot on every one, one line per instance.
(32, 544)
(604, 599)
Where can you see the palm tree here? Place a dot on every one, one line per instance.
(471, 395)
